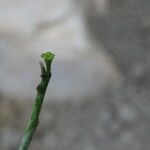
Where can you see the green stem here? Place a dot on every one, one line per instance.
(41, 90)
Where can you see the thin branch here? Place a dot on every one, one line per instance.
(41, 90)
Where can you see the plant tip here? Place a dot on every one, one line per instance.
(48, 56)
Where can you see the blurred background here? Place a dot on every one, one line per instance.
(98, 97)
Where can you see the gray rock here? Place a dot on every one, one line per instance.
(123, 30)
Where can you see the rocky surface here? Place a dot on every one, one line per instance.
(123, 31)
(83, 109)
(116, 119)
